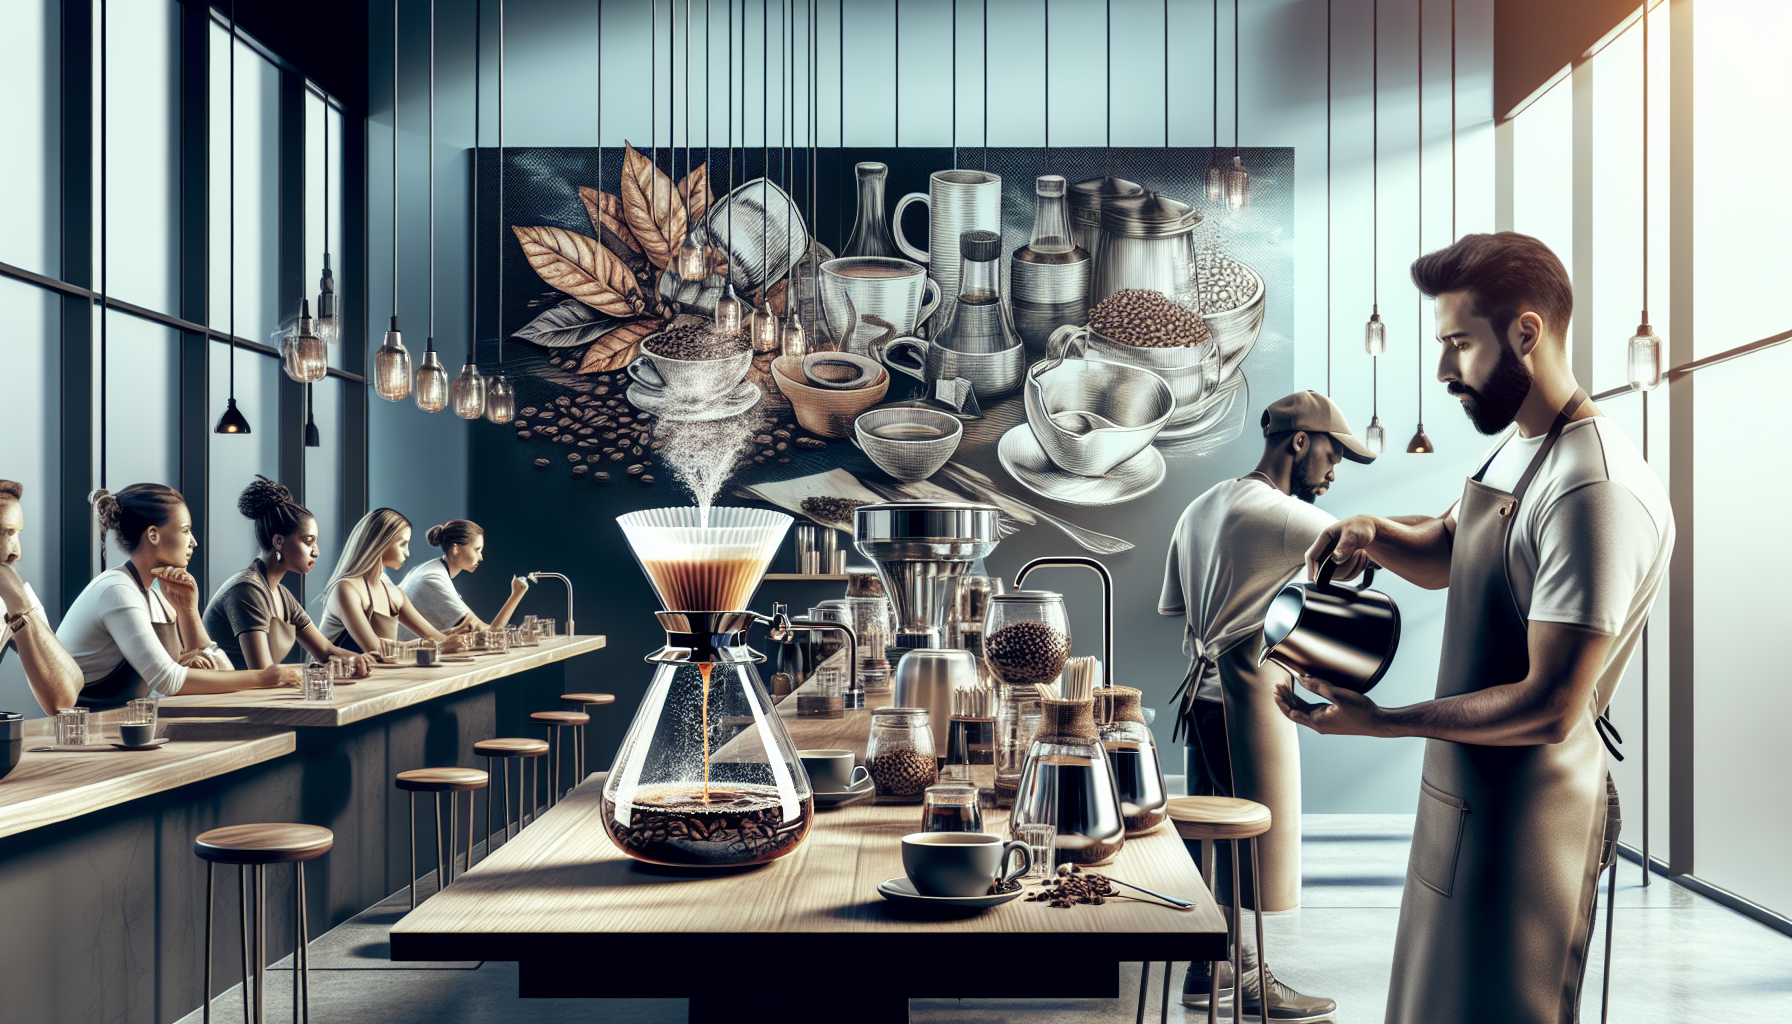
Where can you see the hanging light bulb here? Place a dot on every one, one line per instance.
(326, 325)
(303, 353)
(432, 380)
(1420, 444)
(1216, 179)
(691, 261)
(232, 421)
(731, 315)
(1238, 185)
(763, 329)
(392, 366)
(1645, 358)
(1375, 333)
(500, 399)
(467, 393)
(1376, 437)
(793, 340)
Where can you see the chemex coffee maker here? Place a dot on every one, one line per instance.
(707, 775)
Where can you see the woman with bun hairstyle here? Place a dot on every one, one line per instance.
(256, 620)
(430, 586)
(130, 639)
(363, 607)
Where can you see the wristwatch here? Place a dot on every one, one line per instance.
(16, 623)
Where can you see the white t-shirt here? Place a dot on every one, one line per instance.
(32, 604)
(1234, 549)
(1593, 537)
(431, 591)
(111, 622)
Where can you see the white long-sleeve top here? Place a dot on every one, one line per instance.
(111, 622)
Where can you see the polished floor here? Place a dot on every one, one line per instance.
(1676, 957)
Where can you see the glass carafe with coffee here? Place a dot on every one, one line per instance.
(707, 775)
(1132, 754)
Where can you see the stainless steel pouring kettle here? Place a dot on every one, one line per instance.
(1343, 635)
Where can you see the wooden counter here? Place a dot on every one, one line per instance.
(52, 786)
(389, 689)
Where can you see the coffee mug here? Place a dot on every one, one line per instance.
(832, 771)
(426, 656)
(961, 863)
(137, 734)
(957, 201)
(868, 298)
(696, 377)
(991, 374)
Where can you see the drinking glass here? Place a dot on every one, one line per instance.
(319, 680)
(71, 726)
(137, 727)
(822, 695)
(547, 629)
(951, 807)
(1042, 839)
(498, 639)
(516, 636)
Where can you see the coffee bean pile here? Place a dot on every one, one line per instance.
(699, 835)
(696, 340)
(1073, 886)
(1027, 652)
(596, 427)
(903, 771)
(1145, 318)
(1225, 283)
(830, 509)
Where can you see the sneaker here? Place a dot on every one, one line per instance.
(1286, 1006)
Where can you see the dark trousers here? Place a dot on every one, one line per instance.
(1210, 774)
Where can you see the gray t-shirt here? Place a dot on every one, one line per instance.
(431, 590)
(246, 604)
(1234, 549)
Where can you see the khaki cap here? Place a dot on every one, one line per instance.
(1316, 414)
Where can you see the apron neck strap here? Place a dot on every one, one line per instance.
(1563, 418)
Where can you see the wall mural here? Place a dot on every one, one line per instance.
(1051, 345)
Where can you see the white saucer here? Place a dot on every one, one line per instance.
(743, 397)
(1027, 462)
(829, 801)
(901, 890)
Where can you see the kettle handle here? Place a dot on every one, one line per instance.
(1328, 567)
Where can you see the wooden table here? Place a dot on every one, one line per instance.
(805, 938)
(389, 689)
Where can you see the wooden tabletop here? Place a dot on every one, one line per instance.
(54, 786)
(583, 919)
(389, 689)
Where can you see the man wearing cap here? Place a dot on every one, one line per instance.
(1234, 549)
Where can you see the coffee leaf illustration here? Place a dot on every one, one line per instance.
(694, 190)
(567, 325)
(619, 347)
(652, 207)
(582, 268)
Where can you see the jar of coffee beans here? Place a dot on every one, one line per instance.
(1026, 637)
(900, 754)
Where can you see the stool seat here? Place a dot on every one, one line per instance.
(1218, 817)
(442, 780)
(588, 698)
(511, 748)
(263, 844)
(560, 717)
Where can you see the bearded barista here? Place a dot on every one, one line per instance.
(1234, 548)
(1553, 556)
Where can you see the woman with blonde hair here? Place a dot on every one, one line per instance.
(363, 607)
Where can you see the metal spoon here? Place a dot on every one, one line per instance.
(1180, 904)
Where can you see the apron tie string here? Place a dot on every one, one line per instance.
(1191, 683)
(1609, 734)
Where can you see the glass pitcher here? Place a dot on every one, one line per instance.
(1132, 754)
(1067, 782)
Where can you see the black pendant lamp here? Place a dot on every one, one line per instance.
(392, 363)
(1643, 353)
(1420, 444)
(312, 440)
(500, 396)
(233, 421)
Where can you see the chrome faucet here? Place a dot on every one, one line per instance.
(1107, 600)
(780, 626)
(536, 577)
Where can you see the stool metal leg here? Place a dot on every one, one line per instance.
(1611, 896)
(242, 879)
(413, 876)
(211, 898)
(1163, 1012)
(298, 867)
(261, 942)
(441, 877)
(490, 792)
(1257, 916)
(453, 832)
(1237, 942)
(471, 794)
(1209, 852)
(506, 762)
(1144, 987)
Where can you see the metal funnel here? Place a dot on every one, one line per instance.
(916, 544)
(698, 566)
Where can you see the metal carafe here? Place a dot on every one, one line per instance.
(871, 229)
(1147, 242)
(1346, 636)
(1049, 276)
(1086, 201)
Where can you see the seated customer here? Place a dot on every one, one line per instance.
(53, 676)
(256, 620)
(363, 607)
(131, 640)
(430, 586)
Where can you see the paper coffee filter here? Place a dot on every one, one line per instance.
(694, 567)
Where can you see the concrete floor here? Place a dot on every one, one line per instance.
(1677, 957)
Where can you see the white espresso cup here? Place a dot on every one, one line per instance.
(865, 298)
(961, 863)
(832, 771)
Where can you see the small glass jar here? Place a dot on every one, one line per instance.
(320, 679)
(900, 754)
(873, 624)
(1026, 637)
(1017, 719)
(951, 807)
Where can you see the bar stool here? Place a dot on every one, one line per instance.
(584, 702)
(1206, 819)
(440, 781)
(257, 846)
(502, 752)
(557, 722)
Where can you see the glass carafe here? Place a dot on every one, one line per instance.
(1026, 637)
(1132, 754)
(871, 229)
(1067, 782)
(980, 322)
(1017, 720)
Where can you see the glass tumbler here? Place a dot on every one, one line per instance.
(900, 754)
(319, 680)
(138, 726)
(951, 807)
(547, 629)
(498, 640)
(1026, 637)
(71, 726)
(1042, 838)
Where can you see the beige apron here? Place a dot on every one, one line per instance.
(385, 624)
(1265, 753)
(1495, 922)
(124, 683)
(282, 634)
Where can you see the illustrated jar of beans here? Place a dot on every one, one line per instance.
(1026, 637)
(900, 754)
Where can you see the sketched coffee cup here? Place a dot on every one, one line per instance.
(699, 377)
(961, 863)
(866, 298)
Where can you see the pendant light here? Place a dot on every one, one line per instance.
(1216, 171)
(762, 324)
(1420, 444)
(792, 340)
(1643, 354)
(500, 396)
(1375, 332)
(312, 440)
(691, 263)
(1328, 197)
(467, 393)
(303, 353)
(432, 381)
(730, 310)
(233, 421)
(1238, 180)
(326, 325)
(392, 363)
